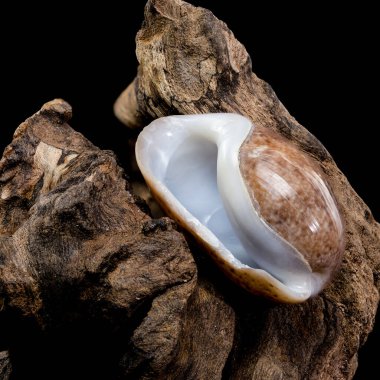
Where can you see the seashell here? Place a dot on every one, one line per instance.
(259, 205)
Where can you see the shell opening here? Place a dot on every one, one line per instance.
(191, 176)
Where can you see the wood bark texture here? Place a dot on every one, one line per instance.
(91, 285)
(190, 62)
(5, 366)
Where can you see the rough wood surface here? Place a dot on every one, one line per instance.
(91, 286)
(190, 62)
(5, 366)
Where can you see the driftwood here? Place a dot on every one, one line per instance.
(91, 286)
(190, 62)
(5, 366)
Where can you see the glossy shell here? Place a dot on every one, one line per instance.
(260, 206)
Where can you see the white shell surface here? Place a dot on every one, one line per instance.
(191, 163)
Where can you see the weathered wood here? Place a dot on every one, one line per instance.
(93, 287)
(190, 62)
(5, 366)
(90, 283)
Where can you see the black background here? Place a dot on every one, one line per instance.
(320, 61)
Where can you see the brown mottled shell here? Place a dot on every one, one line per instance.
(285, 185)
